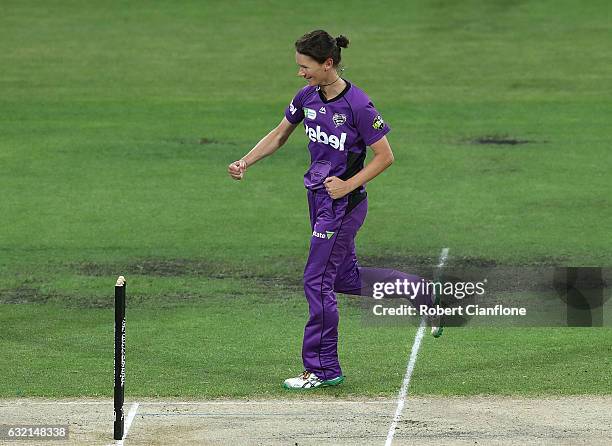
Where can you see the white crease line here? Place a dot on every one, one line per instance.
(443, 257)
(191, 403)
(235, 414)
(404, 389)
(130, 418)
(250, 403)
(411, 362)
(128, 423)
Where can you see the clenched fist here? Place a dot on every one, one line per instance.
(336, 188)
(236, 169)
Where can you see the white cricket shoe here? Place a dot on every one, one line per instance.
(308, 380)
(436, 331)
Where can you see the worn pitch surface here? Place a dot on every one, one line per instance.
(429, 421)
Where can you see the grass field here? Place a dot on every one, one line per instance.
(117, 122)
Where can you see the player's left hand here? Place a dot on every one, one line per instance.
(336, 188)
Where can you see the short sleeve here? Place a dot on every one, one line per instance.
(294, 112)
(370, 124)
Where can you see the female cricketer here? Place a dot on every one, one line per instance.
(340, 121)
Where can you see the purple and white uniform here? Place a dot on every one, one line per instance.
(339, 130)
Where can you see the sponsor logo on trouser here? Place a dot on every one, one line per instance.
(327, 235)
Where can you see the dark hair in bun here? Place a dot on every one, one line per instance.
(342, 41)
(321, 46)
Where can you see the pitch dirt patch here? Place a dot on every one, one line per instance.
(207, 141)
(155, 267)
(187, 267)
(27, 292)
(195, 141)
(303, 420)
(178, 267)
(21, 295)
(409, 263)
(500, 140)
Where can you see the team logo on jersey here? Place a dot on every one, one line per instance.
(378, 123)
(339, 119)
(310, 113)
(322, 110)
(292, 108)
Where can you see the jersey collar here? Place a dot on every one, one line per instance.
(342, 93)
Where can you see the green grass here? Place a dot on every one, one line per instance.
(247, 346)
(102, 172)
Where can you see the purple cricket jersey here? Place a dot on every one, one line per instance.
(339, 130)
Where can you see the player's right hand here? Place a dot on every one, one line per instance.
(236, 169)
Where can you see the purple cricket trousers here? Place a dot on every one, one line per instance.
(332, 267)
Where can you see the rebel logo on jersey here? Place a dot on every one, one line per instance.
(316, 135)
